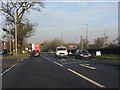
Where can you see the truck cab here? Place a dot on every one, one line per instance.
(35, 49)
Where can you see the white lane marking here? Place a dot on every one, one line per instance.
(57, 63)
(8, 69)
(46, 57)
(72, 62)
(87, 64)
(22, 59)
(90, 80)
(53, 61)
(88, 67)
(18, 60)
(72, 58)
(63, 60)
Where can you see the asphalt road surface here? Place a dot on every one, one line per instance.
(46, 71)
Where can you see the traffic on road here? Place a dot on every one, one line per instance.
(47, 71)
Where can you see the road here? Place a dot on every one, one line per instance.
(47, 71)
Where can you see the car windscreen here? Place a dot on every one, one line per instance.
(61, 49)
(85, 52)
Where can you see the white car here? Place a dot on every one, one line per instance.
(61, 51)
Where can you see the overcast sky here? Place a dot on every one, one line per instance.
(71, 18)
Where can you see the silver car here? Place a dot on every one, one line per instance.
(82, 53)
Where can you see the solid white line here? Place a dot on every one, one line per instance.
(90, 80)
(7, 70)
(57, 63)
(88, 67)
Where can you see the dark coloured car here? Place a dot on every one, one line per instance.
(82, 54)
(50, 52)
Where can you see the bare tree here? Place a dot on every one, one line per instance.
(14, 14)
(99, 43)
(9, 9)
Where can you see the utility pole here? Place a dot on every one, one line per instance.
(105, 39)
(61, 35)
(81, 42)
(16, 29)
(86, 35)
(50, 45)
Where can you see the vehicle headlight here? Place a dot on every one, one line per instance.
(89, 54)
(81, 54)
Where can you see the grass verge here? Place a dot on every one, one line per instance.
(16, 56)
(108, 56)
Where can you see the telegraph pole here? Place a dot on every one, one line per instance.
(61, 35)
(105, 39)
(81, 42)
(16, 29)
(86, 35)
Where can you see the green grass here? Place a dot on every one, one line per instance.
(17, 56)
(108, 56)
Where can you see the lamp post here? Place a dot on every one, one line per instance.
(86, 36)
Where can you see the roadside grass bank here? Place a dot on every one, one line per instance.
(19, 56)
(108, 57)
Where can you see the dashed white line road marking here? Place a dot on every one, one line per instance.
(8, 69)
(94, 59)
(90, 80)
(88, 67)
(63, 60)
(87, 64)
(57, 63)
(72, 62)
(72, 58)
(18, 59)
(46, 58)
(53, 61)
(22, 59)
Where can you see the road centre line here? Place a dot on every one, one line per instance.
(8, 69)
(18, 59)
(72, 58)
(63, 60)
(53, 61)
(46, 57)
(88, 67)
(57, 63)
(86, 78)
(22, 59)
(72, 62)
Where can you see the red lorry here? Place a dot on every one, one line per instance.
(35, 49)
